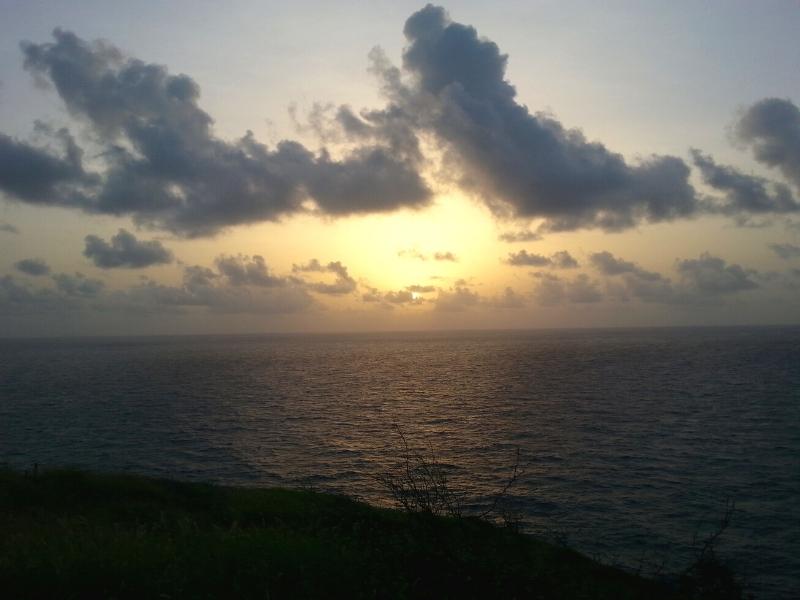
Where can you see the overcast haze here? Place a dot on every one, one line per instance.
(177, 168)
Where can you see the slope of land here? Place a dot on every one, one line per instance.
(71, 534)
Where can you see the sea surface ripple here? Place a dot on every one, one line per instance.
(631, 440)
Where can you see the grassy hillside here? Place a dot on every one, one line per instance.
(69, 534)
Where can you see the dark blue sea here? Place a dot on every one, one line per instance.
(631, 441)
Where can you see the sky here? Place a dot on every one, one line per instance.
(374, 166)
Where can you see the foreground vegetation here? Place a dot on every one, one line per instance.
(71, 534)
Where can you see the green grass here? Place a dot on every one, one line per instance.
(71, 534)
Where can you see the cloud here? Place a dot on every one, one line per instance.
(125, 251)
(456, 299)
(415, 254)
(421, 289)
(344, 283)
(771, 128)
(563, 260)
(519, 236)
(636, 282)
(240, 285)
(608, 264)
(524, 259)
(786, 251)
(551, 289)
(78, 285)
(162, 164)
(18, 298)
(389, 300)
(402, 297)
(216, 292)
(44, 175)
(508, 299)
(702, 280)
(157, 159)
(411, 295)
(412, 253)
(523, 165)
(32, 266)
(558, 260)
(240, 270)
(7, 228)
(242, 289)
(744, 193)
(713, 276)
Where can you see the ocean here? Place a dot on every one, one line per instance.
(631, 442)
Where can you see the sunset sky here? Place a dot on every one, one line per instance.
(313, 166)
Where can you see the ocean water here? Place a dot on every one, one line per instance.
(631, 441)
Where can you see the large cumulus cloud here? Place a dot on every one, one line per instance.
(162, 164)
(521, 164)
(771, 128)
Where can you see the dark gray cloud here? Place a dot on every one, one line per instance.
(786, 251)
(445, 256)
(19, 298)
(520, 236)
(558, 260)
(744, 193)
(551, 290)
(32, 266)
(7, 228)
(636, 282)
(239, 270)
(522, 164)
(608, 264)
(771, 128)
(163, 165)
(225, 290)
(125, 251)
(344, 283)
(703, 280)
(244, 289)
(710, 275)
(525, 259)
(44, 175)
(563, 260)
(78, 285)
